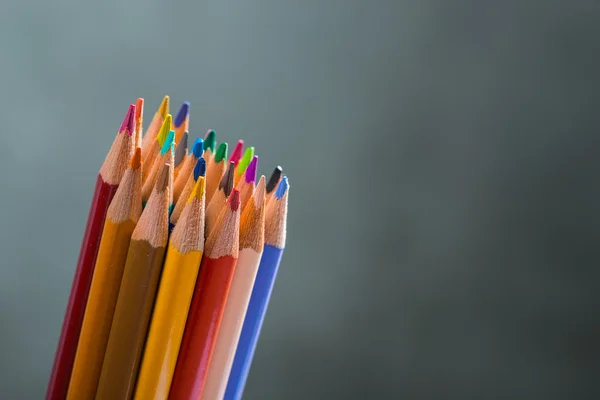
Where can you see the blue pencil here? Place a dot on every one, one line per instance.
(275, 226)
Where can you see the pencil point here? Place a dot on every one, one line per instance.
(210, 140)
(260, 193)
(227, 181)
(139, 110)
(246, 159)
(274, 179)
(136, 160)
(198, 148)
(182, 114)
(168, 143)
(164, 130)
(282, 188)
(200, 168)
(234, 200)
(128, 124)
(163, 110)
(237, 152)
(198, 191)
(221, 152)
(182, 147)
(251, 171)
(163, 178)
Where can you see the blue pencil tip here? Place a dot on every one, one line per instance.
(200, 168)
(198, 148)
(182, 114)
(282, 188)
(168, 144)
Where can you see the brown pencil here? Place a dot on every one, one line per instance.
(136, 295)
(219, 199)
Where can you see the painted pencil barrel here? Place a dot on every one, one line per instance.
(259, 301)
(168, 323)
(100, 309)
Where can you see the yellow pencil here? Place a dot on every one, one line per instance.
(173, 301)
(154, 129)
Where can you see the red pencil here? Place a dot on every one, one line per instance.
(208, 303)
(107, 183)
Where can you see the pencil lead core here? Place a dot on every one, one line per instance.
(198, 148)
(181, 151)
(210, 140)
(182, 114)
(227, 181)
(237, 152)
(221, 152)
(282, 188)
(274, 179)
(136, 160)
(168, 144)
(200, 168)
(251, 171)
(163, 109)
(163, 178)
(164, 130)
(234, 200)
(128, 124)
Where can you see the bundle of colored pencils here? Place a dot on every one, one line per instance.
(176, 268)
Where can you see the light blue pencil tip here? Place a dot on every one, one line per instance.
(282, 188)
(168, 143)
(198, 148)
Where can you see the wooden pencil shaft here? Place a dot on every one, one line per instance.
(131, 320)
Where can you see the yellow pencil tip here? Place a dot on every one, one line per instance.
(163, 110)
(164, 130)
(198, 191)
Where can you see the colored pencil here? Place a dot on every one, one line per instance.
(154, 151)
(210, 143)
(181, 150)
(109, 177)
(121, 218)
(246, 185)
(208, 303)
(166, 156)
(199, 170)
(186, 170)
(136, 295)
(243, 164)
(273, 182)
(173, 299)
(238, 150)
(252, 229)
(181, 123)
(275, 232)
(215, 170)
(139, 121)
(219, 199)
(154, 129)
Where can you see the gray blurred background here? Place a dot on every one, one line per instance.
(443, 225)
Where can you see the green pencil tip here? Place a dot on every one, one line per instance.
(246, 158)
(210, 141)
(221, 152)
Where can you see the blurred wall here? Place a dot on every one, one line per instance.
(443, 224)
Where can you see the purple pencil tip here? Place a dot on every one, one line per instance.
(251, 170)
(182, 114)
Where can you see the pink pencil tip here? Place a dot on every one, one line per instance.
(234, 200)
(237, 152)
(128, 123)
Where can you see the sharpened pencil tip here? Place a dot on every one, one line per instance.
(198, 148)
(136, 160)
(274, 179)
(198, 191)
(227, 181)
(169, 141)
(245, 160)
(221, 152)
(234, 200)
(237, 152)
(181, 150)
(260, 193)
(128, 124)
(282, 188)
(163, 110)
(139, 110)
(200, 168)
(182, 114)
(210, 140)
(251, 171)
(164, 130)
(163, 178)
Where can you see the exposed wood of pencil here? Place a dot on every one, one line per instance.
(208, 303)
(273, 182)
(275, 226)
(180, 154)
(154, 149)
(121, 218)
(252, 232)
(136, 296)
(173, 299)
(107, 182)
(185, 194)
(218, 201)
(214, 173)
(154, 128)
(166, 157)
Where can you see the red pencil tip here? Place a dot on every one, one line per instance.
(234, 200)
(128, 123)
(237, 152)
